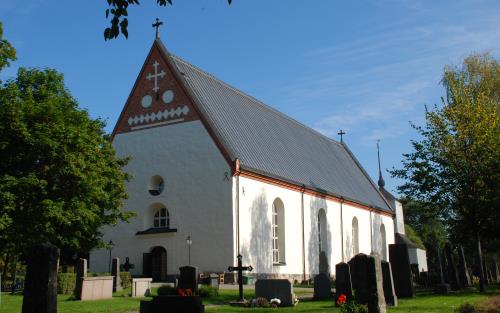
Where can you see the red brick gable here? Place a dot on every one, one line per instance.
(157, 98)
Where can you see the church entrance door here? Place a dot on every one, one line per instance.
(159, 264)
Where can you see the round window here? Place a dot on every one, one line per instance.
(156, 185)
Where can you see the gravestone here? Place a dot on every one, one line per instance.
(366, 274)
(188, 278)
(442, 287)
(343, 284)
(324, 267)
(322, 286)
(452, 269)
(115, 272)
(81, 273)
(40, 290)
(401, 270)
(275, 288)
(463, 272)
(496, 273)
(388, 283)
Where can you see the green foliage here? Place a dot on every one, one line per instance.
(166, 290)
(206, 291)
(466, 308)
(7, 51)
(60, 180)
(126, 279)
(66, 283)
(118, 12)
(453, 171)
(412, 235)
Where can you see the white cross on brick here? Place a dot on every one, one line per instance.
(156, 75)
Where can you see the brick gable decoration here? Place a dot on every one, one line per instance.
(157, 98)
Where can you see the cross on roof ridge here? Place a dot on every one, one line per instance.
(157, 26)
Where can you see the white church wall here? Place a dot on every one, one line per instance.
(197, 195)
(255, 205)
(256, 199)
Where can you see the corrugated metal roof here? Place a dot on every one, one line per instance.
(273, 144)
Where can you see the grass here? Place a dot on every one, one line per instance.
(121, 302)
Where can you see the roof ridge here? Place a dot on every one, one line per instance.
(265, 106)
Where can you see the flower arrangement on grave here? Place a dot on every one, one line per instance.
(275, 302)
(349, 305)
(185, 292)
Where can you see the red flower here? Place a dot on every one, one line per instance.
(342, 299)
(185, 292)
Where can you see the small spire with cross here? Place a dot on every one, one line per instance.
(381, 182)
(341, 133)
(157, 26)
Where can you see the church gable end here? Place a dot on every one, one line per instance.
(157, 98)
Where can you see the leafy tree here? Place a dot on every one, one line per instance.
(7, 51)
(118, 11)
(60, 180)
(455, 167)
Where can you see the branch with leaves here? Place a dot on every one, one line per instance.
(118, 12)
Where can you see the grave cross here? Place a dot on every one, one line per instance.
(157, 26)
(240, 268)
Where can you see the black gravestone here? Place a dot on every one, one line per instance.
(401, 270)
(366, 273)
(463, 272)
(389, 293)
(173, 304)
(322, 286)
(81, 273)
(40, 291)
(343, 283)
(115, 272)
(189, 278)
(452, 269)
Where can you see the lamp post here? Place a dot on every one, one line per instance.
(189, 242)
(111, 244)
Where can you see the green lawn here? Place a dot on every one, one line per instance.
(122, 303)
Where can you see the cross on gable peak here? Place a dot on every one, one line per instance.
(157, 25)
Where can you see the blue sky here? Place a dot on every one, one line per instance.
(368, 67)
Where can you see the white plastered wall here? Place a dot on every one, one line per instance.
(198, 191)
(255, 210)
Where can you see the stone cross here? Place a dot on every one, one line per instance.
(156, 75)
(157, 26)
(127, 266)
(240, 268)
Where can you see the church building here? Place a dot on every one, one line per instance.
(217, 173)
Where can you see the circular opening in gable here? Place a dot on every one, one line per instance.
(156, 185)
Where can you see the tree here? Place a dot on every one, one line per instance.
(118, 11)
(7, 51)
(60, 181)
(455, 167)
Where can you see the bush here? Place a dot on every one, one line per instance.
(66, 283)
(166, 290)
(491, 305)
(208, 291)
(466, 308)
(126, 279)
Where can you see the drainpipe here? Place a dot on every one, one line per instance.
(302, 190)
(237, 174)
(371, 232)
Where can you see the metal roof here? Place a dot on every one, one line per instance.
(270, 143)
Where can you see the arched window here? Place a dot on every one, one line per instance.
(383, 251)
(355, 236)
(322, 231)
(278, 232)
(161, 218)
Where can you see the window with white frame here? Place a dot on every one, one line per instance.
(278, 232)
(161, 218)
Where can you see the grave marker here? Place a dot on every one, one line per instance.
(115, 272)
(401, 270)
(343, 284)
(240, 268)
(388, 283)
(322, 286)
(189, 278)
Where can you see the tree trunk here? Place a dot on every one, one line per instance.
(480, 260)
